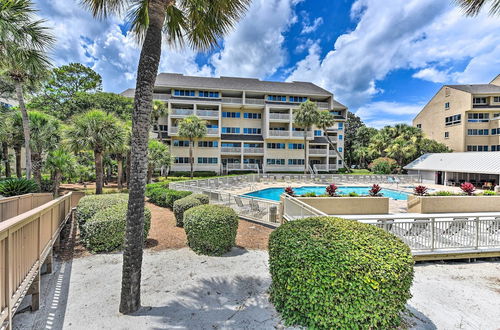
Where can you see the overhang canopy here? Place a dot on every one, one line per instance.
(462, 162)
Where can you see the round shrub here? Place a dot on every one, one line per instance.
(90, 205)
(383, 165)
(184, 204)
(105, 231)
(332, 273)
(211, 229)
(173, 195)
(17, 186)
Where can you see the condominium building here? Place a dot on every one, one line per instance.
(249, 124)
(464, 117)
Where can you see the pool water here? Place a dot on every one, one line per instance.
(274, 193)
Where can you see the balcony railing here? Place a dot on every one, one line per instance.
(173, 130)
(254, 101)
(231, 150)
(212, 131)
(253, 150)
(207, 113)
(279, 116)
(161, 97)
(182, 112)
(233, 166)
(325, 167)
(318, 152)
(279, 133)
(323, 105)
(302, 133)
(250, 166)
(232, 100)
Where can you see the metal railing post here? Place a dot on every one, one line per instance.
(433, 230)
(476, 220)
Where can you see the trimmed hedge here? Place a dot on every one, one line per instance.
(105, 231)
(174, 195)
(211, 229)
(90, 205)
(336, 273)
(184, 204)
(165, 197)
(200, 174)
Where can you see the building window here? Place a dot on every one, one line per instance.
(446, 135)
(447, 105)
(419, 126)
(183, 92)
(207, 160)
(341, 137)
(252, 115)
(295, 162)
(340, 161)
(340, 149)
(477, 131)
(479, 100)
(276, 146)
(477, 148)
(208, 94)
(478, 117)
(181, 160)
(295, 146)
(252, 131)
(230, 130)
(318, 132)
(275, 161)
(226, 114)
(230, 145)
(297, 99)
(251, 161)
(181, 143)
(252, 145)
(495, 131)
(278, 98)
(495, 148)
(496, 99)
(453, 120)
(276, 128)
(208, 144)
(341, 126)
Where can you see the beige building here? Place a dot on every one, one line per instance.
(464, 117)
(250, 124)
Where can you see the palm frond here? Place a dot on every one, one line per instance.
(138, 18)
(105, 8)
(474, 7)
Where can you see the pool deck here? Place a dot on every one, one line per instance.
(395, 206)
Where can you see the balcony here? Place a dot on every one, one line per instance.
(323, 105)
(181, 112)
(325, 167)
(232, 100)
(279, 117)
(277, 133)
(233, 166)
(212, 131)
(207, 114)
(173, 130)
(320, 152)
(231, 150)
(302, 133)
(250, 166)
(254, 101)
(161, 97)
(253, 150)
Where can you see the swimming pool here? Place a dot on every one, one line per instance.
(274, 193)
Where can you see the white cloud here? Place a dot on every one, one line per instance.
(309, 28)
(375, 114)
(255, 48)
(424, 35)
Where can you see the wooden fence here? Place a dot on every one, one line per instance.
(26, 242)
(13, 206)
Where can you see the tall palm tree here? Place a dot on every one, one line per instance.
(24, 43)
(306, 116)
(16, 140)
(5, 132)
(200, 23)
(158, 156)
(326, 120)
(401, 149)
(473, 7)
(192, 128)
(99, 132)
(45, 132)
(121, 152)
(60, 162)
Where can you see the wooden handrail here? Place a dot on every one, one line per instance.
(15, 205)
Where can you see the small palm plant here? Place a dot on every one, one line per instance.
(60, 162)
(306, 116)
(192, 128)
(158, 156)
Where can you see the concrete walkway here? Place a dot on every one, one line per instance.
(185, 291)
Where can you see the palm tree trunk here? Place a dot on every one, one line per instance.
(36, 161)
(26, 127)
(191, 160)
(5, 156)
(57, 183)
(19, 171)
(336, 151)
(127, 170)
(119, 175)
(305, 151)
(150, 173)
(130, 300)
(99, 175)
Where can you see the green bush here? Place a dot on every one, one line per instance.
(488, 193)
(383, 165)
(332, 273)
(444, 193)
(309, 194)
(174, 195)
(184, 204)
(211, 229)
(90, 205)
(165, 197)
(14, 186)
(200, 174)
(105, 231)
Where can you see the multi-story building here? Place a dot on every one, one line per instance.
(249, 124)
(464, 117)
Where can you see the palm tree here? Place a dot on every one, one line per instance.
(473, 7)
(158, 156)
(200, 23)
(401, 149)
(16, 140)
(192, 128)
(306, 116)
(325, 121)
(121, 152)
(362, 153)
(5, 133)
(24, 43)
(160, 109)
(97, 131)
(60, 162)
(45, 132)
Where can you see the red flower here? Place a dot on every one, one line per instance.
(375, 191)
(468, 188)
(332, 190)
(420, 190)
(289, 191)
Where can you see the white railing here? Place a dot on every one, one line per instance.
(212, 131)
(293, 209)
(173, 130)
(253, 150)
(323, 105)
(207, 113)
(278, 133)
(318, 151)
(233, 166)
(182, 112)
(230, 150)
(279, 116)
(161, 97)
(233, 100)
(250, 166)
(302, 133)
(254, 101)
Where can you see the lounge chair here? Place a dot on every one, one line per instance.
(385, 224)
(240, 204)
(255, 208)
(417, 227)
(456, 226)
(494, 227)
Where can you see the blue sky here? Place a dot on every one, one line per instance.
(384, 59)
